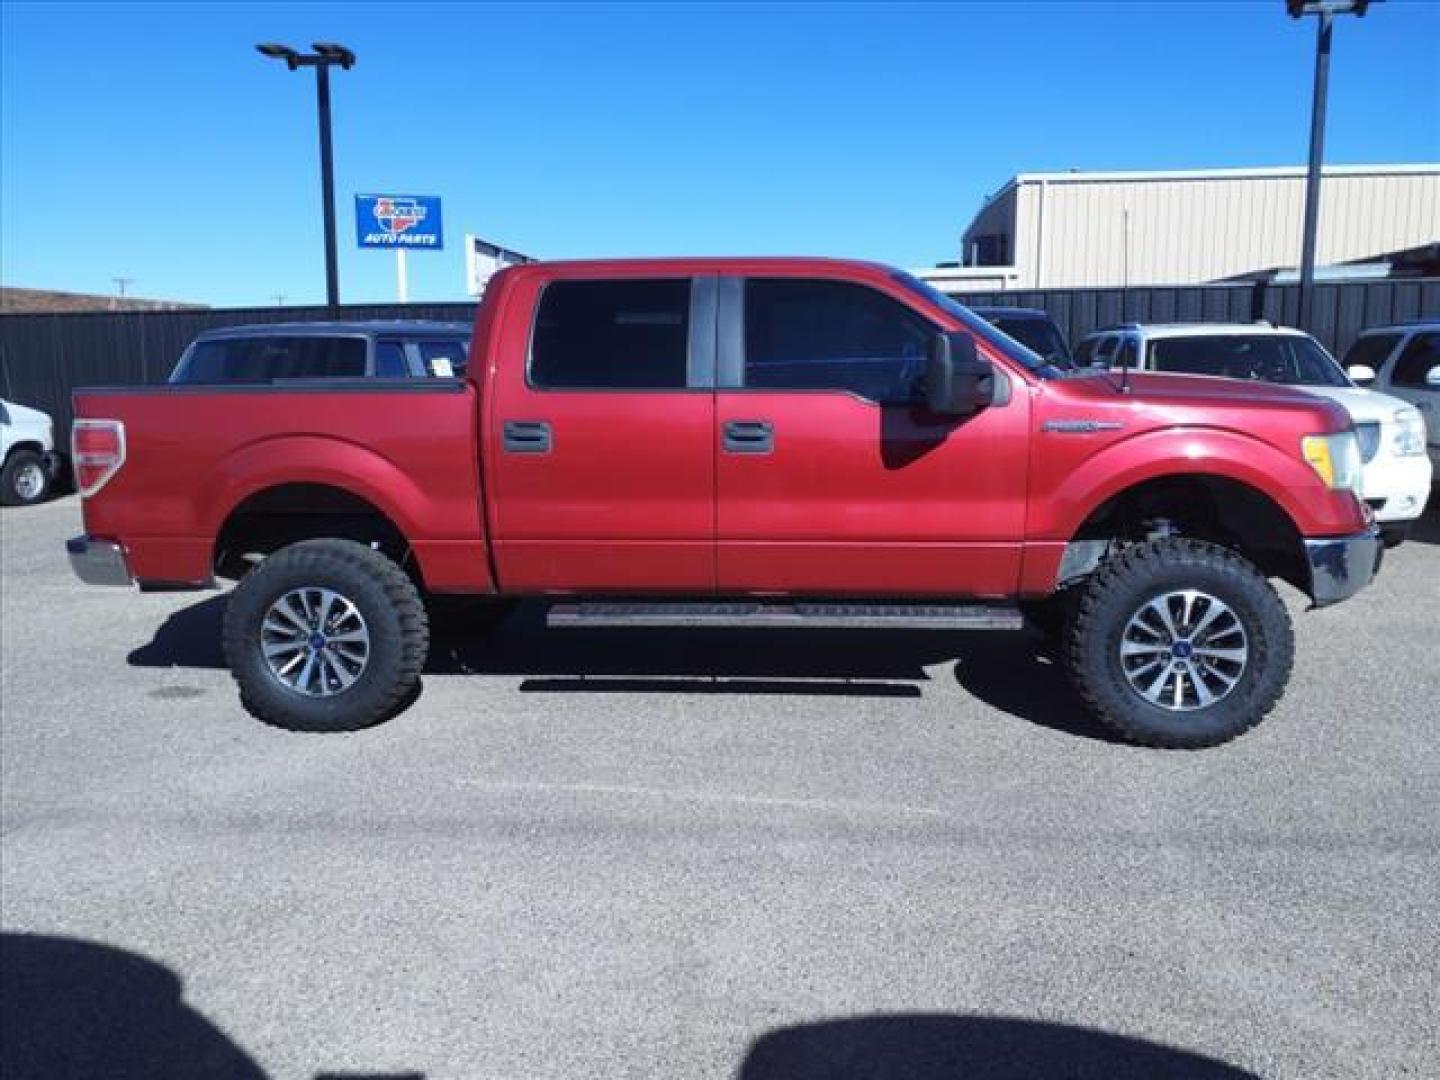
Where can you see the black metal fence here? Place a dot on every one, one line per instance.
(44, 357)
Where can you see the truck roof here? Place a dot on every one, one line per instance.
(338, 326)
(1198, 329)
(719, 264)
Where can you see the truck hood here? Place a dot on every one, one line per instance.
(23, 416)
(1193, 391)
(1362, 405)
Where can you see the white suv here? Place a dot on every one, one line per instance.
(1396, 472)
(1403, 360)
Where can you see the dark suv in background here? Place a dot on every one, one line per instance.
(1032, 328)
(268, 352)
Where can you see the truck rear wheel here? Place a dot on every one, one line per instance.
(1180, 644)
(325, 635)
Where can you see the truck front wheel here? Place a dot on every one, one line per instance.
(1179, 643)
(325, 635)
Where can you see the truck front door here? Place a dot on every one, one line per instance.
(599, 459)
(832, 476)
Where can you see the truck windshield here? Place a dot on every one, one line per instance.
(1001, 341)
(1273, 358)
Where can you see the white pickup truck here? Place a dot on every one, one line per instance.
(27, 449)
(1395, 472)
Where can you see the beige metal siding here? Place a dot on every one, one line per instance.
(1192, 229)
(996, 217)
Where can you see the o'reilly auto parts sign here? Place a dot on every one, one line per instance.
(398, 221)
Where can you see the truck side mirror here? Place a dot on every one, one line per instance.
(957, 381)
(1361, 374)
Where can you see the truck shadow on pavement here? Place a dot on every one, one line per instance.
(939, 1046)
(1012, 672)
(77, 1010)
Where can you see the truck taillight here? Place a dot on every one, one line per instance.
(97, 450)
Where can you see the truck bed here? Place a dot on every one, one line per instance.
(194, 455)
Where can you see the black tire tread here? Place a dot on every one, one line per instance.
(1139, 560)
(399, 589)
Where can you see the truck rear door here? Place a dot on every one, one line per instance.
(833, 478)
(599, 455)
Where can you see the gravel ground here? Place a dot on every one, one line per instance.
(707, 854)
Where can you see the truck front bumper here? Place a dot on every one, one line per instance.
(1341, 566)
(98, 562)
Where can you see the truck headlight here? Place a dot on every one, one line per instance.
(1409, 433)
(1335, 458)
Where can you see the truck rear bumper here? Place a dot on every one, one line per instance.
(1341, 566)
(98, 562)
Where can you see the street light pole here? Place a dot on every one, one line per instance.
(326, 55)
(327, 185)
(1317, 155)
(1327, 10)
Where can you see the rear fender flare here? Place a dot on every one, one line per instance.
(310, 459)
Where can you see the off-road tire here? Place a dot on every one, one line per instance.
(399, 635)
(1126, 582)
(15, 464)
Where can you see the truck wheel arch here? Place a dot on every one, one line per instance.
(1200, 505)
(343, 479)
(277, 515)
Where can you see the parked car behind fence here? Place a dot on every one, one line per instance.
(325, 350)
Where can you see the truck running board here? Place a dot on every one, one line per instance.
(858, 615)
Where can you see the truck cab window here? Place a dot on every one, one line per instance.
(263, 359)
(1415, 362)
(436, 354)
(390, 360)
(612, 335)
(830, 335)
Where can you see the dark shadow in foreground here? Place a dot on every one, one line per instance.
(76, 1010)
(938, 1046)
(1012, 672)
(73, 1009)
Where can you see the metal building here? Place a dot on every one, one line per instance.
(1106, 229)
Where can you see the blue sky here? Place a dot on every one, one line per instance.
(152, 142)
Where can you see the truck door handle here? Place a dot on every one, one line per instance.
(749, 437)
(526, 437)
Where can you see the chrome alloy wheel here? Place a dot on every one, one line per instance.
(315, 642)
(1184, 650)
(30, 482)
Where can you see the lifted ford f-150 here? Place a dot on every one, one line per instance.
(761, 442)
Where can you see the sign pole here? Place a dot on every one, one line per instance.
(402, 277)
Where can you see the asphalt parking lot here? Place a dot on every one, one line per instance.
(708, 854)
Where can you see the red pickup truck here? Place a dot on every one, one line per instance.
(755, 442)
